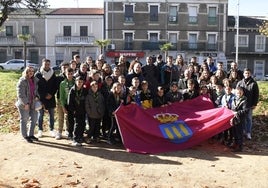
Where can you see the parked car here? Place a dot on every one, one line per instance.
(16, 64)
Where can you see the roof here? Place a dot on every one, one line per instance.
(245, 21)
(26, 11)
(78, 11)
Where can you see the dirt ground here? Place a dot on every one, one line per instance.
(55, 163)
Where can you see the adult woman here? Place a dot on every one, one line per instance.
(27, 95)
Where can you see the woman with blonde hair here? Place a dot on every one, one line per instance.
(27, 96)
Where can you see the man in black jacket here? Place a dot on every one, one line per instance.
(251, 90)
(47, 90)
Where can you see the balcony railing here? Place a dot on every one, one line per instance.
(152, 45)
(200, 46)
(75, 40)
(13, 40)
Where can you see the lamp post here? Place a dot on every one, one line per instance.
(237, 33)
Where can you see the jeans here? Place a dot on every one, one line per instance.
(24, 117)
(41, 118)
(248, 121)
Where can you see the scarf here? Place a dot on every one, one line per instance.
(46, 74)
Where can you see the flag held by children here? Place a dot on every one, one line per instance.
(174, 127)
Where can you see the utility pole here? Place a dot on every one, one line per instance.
(237, 33)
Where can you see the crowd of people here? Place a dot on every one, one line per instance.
(87, 94)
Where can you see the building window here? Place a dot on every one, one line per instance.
(128, 41)
(192, 14)
(242, 40)
(18, 55)
(83, 31)
(259, 69)
(242, 64)
(212, 42)
(128, 13)
(59, 58)
(34, 56)
(3, 55)
(260, 41)
(153, 13)
(9, 31)
(192, 41)
(212, 15)
(67, 31)
(25, 30)
(153, 37)
(172, 17)
(173, 38)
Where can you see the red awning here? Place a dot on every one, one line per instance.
(127, 54)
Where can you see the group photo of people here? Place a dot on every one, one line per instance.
(85, 94)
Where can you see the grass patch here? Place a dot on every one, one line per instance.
(9, 117)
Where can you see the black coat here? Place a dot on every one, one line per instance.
(47, 87)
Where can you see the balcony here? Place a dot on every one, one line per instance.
(152, 45)
(14, 41)
(199, 46)
(74, 40)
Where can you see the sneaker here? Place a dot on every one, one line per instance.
(58, 136)
(40, 134)
(110, 142)
(74, 143)
(248, 136)
(33, 138)
(28, 139)
(53, 133)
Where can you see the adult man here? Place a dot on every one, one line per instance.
(46, 89)
(234, 68)
(159, 63)
(150, 74)
(251, 91)
(169, 73)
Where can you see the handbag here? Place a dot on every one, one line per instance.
(37, 105)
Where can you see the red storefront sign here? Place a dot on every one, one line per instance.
(127, 54)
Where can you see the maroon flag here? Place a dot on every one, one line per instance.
(174, 127)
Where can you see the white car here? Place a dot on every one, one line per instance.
(16, 64)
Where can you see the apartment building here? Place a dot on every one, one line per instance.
(139, 28)
(71, 31)
(22, 21)
(57, 34)
(252, 46)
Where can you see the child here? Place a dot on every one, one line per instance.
(160, 100)
(65, 87)
(239, 106)
(226, 101)
(114, 100)
(76, 108)
(190, 92)
(132, 96)
(146, 97)
(95, 108)
(174, 95)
